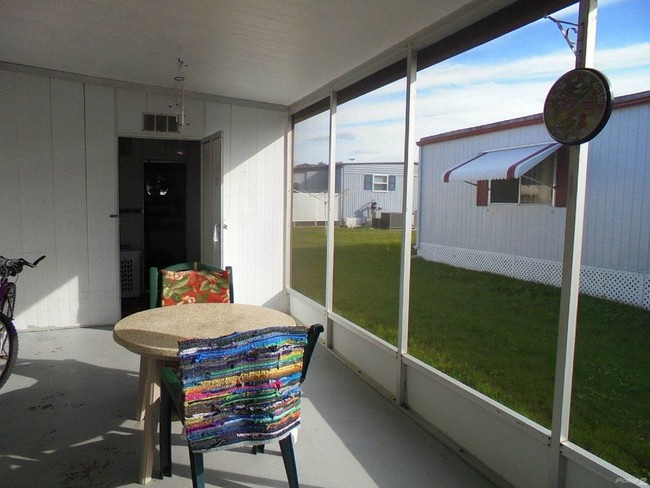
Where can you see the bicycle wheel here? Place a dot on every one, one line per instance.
(8, 348)
(10, 301)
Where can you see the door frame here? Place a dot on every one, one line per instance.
(211, 199)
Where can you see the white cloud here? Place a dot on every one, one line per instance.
(386, 111)
(627, 57)
(454, 95)
(545, 67)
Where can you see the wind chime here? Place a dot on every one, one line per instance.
(179, 95)
(179, 102)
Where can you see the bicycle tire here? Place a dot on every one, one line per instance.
(8, 348)
(8, 306)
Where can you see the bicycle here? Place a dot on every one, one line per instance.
(8, 334)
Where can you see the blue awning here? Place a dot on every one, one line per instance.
(501, 164)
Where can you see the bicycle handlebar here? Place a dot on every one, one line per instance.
(11, 267)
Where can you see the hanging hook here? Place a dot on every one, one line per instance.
(567, 32)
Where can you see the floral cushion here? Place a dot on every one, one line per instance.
(182, 287)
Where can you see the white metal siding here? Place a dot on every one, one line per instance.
(449, 215)
(617, 226)
(617, 215)
(354, 199)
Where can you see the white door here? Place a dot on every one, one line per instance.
(211, 200)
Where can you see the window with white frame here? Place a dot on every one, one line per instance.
(534, 187)
(379, 183)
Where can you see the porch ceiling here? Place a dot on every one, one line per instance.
(275, 51)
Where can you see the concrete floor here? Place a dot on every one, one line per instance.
(66, 421)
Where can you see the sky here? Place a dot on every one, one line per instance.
(506, 78)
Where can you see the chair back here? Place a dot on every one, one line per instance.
(190, 283)
(242, 389)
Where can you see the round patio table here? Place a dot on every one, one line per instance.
(154, 335)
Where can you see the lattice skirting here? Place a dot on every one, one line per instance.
(621, 286)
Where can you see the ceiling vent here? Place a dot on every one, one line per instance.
(159, 123)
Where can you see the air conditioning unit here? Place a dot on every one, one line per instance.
(391, 220)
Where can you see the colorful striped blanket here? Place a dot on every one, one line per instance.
(243, 388)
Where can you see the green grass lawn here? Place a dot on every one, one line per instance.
(497, 335)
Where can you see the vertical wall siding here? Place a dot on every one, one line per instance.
(354, 199)
(102, 202)
(58, 176)
(253, 184)
(10, 217)
(617, 225)
(71, 245)
(35, 198)
(44, 180)
(450, 217)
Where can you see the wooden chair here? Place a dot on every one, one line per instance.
(240, 389)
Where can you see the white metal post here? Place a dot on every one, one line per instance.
(407, 212)
(331, 195)
(572, 256)
(288, 204)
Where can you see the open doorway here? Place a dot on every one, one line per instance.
(160, 208)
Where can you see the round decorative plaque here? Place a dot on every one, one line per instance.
(578, 106)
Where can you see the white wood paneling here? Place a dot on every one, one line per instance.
(130, 107)
(69, 162)
(36, 198)
(253, 183)
(64, 191)
(217, 118)
(10, 238)
(102, 201)
(159, 104)
(44, 174)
